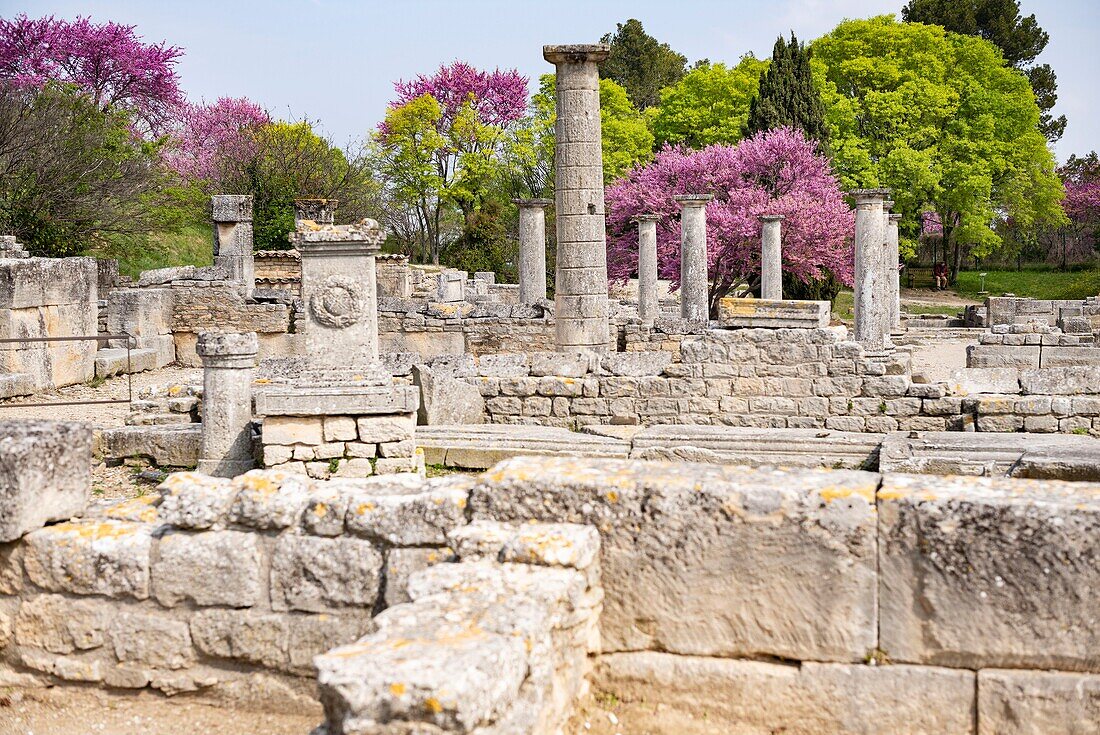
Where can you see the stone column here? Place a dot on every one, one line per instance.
(318, 211)
(648, 304)
(893, 275)
(232, 215)
(771, 257)
(532, 249)
(694, 287)
(228, 361)
(871, 317)
(580, 300)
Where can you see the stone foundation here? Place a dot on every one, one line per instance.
(342, 445)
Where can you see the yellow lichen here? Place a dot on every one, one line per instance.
(397, 689)
(433, 705)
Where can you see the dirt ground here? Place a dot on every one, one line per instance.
(79, 711)
(916, 296)
(604, 714)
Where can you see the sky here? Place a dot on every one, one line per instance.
(335, 61)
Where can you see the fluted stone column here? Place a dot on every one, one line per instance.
(228, 361)
(771, 257)
(893, 274)
(648, 304)
(694, 286)
(871, 315)
(580, 299)
(532, 249)
(319, 211)
(232, 216)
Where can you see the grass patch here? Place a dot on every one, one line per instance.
(1039, 284)
(192, 245)
(844, 306)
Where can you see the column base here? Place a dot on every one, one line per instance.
(224, 467)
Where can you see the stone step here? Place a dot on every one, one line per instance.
(167, 446)
(16, 384)
(111, 361)
(480, 446)
(992, 454)
(758, 447)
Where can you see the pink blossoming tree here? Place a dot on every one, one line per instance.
(108, 61)
(210, 137)
(775, 172)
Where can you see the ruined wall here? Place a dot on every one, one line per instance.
(431, 329)
(220, 307)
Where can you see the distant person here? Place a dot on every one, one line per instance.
(939, 276)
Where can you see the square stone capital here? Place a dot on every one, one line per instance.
(231, 208)
(869, 196)
(772, 217)
(362, 238)
(693, 200)
(532, 203)
(576, 53)
(645, 218)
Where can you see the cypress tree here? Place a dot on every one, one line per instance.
(787, 96)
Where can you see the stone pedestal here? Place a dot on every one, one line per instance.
(228, 361)
(694, 286)
(649, 307)
(893, 274)
(871, 314)
(318, 211)
(771, 257)
(532, 249)
(232, 216)
(581, 304)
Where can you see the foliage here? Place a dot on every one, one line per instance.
(941, 120)
(1020, 39)
(189, 245)
(775, 172)
(640, 64)
(108, 61)
(709, 105)
(208, 139)
(484, 244)
(72, 175)
(788, 97)
(1040, 284)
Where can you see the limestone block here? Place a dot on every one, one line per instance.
(1026, 702)
(447, 400)
(11, 568)
(379, 429)
(151, 640)
(1069, 356)
(690, 565)
(357, 466)
(293, 430)
(34, 282)
(61, 625)
(45, 473)
(324, 574)
(636, 364)
(313, 635)
(999, 356)
(166, 446)
(553, 544)
(339, 428)
(209, 568)
(140, 312)
(194, 501)
(481, 539)
(413, 519)
(985, 380)
(1061, 381)
(811, 699)
(91, 558)
(569, 364)
(773, 314)
(269, 499)
(402, 563)
(965, 563)
(250, 637)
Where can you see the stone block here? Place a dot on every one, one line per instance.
(62, 625)
(91, 557)
(636, 364)
(194, 501)
(1053, 357)
(324, 574)
(45, 474)
(166, 446)
(269, 499)
(1061, 381)
(503, 365)
(339, 429)
(151, 640)
(209, 568)
(416, 518)
(690, 566)
(984, 380)
(773, 314)
(242, 636)
(140, 312)
(447, 400)
(966, 563)
(313, 635)
(1026, 702)
(566, 364)
(379, 429)
(402, 563)
(1002, 356)
(293, 430)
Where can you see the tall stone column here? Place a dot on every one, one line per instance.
(532, 249)
(771, 257)
(228, 361)
(318, 211)
(580, 299)
(232, 215)
(694, 286)
(871, 315)
(893, 275)
(648, 304)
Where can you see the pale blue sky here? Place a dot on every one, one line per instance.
(335, 60)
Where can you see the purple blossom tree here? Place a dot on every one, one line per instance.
(108, 61)
(207, 137)
(498, 97)
(775, 172)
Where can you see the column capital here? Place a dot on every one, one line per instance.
(772, 217)
(693, 200)
(532, 203)
(865, 197)
(228, 349)
(895, 216)
(576, 53)
(645, 218)
(321, 211)
(231, 207)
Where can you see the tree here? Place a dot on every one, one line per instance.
(1081, 176)
(640, 64)
(210, 139)
(787, 97)
(709, 105)
(940, 119)
(1020, 39)
(72, 176)
(484, 244)
(775, 172)
(109, 62)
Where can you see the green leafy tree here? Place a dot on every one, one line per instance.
(709, 105)
(484, 244)
(942, 120)
(1020, 39)
(641, 64)
(788, 97)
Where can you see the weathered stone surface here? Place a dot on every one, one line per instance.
(60, 625)
(195, 501)
(990, 454)
(232, 634)
(1002, 356)
(480, 447)
(166, 446)
(1027, 702)
(269, 499)
(421, 516)
(91, 558)
(322, 574)
(977, 572)
(553, 544)
(401, 563)
(758, 447)
(447, 400)
(773, 314)
(312, 635)
(690, 566)
(481, 539)
(45, 474)
(293, 430)
(151, 640)
(985, 380)
(636, 364)
(754, 697)
(1061, 381)
(210, 568)
(573, 365)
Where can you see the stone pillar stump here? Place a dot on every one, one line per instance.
(694, 285)
(232, 216)
(649, 307)
(532, 249)
(871, 315)
(771, 257)
(228, 362)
